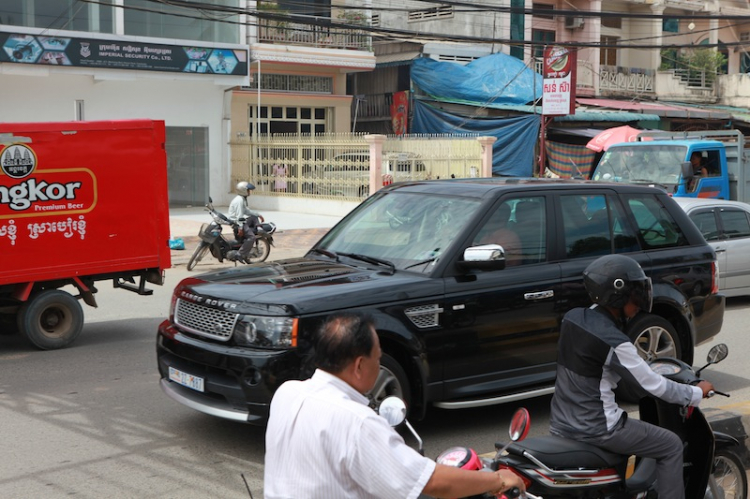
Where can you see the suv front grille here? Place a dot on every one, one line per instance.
(424, 316)
(209, 322)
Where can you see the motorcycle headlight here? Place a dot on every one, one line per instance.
(270, 332)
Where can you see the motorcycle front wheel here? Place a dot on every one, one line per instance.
(729, 474)
(260, 251)
(198, 255)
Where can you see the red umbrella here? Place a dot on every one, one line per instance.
(603, 140)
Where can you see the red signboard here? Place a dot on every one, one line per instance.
(400, 112)
(559, 91)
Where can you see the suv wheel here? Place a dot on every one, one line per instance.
(654, 337)
(391, 381)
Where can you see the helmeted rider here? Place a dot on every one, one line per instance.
(238, 209)
(595, 356)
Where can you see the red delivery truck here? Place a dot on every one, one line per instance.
(80, 203)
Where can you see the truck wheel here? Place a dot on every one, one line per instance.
(51, 319)
(260, 252)
(654, 337)
(198, 255)
(391, 381)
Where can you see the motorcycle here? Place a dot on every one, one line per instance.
(555, 467)
(219, 244)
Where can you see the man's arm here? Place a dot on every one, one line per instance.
(447, 482)
(633, 368)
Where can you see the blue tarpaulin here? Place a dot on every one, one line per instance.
(497, 78)
(512, 152)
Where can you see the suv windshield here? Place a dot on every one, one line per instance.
(409, 230)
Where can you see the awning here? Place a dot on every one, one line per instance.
(397, 59)
(660, 109)
(614, 116)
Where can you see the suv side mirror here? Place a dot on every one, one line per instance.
(485, 256)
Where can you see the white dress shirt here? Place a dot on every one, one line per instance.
(238, 209)
(323, 441)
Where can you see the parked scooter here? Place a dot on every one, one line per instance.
(219, 244)
(554, 467)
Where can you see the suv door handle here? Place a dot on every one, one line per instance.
(539, 295)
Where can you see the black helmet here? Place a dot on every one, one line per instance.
(613, 280)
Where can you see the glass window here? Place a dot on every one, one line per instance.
(735, 223)
(542, 38)
(590, 223)
(411, 231)
(530, 225)
(59, 14)
(148, 18)
(656, 226)
(706, 223)
(608, 55)
(497, 230)
(543, 6)
(670, 25)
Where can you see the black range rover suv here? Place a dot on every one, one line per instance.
(468, 281)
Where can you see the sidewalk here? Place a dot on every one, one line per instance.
(295, 232)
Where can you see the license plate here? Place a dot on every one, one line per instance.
(185, 379)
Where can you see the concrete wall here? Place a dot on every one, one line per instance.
(34, 95)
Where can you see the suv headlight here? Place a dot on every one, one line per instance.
(271, 332)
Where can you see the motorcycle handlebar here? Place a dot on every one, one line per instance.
(515, 492)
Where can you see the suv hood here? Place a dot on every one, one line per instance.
(304, 286)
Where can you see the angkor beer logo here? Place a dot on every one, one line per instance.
(17, 161)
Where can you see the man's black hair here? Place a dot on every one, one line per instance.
(341, 339)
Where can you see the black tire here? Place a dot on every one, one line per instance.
(260, 252)
(198, 255)
(51, 319)
(729, 474)
(654, 337)
(392, 380)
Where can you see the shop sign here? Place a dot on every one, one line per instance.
(119, 54)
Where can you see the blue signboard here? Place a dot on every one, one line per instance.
(118, 54)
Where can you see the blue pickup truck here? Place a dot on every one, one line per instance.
(664, 159)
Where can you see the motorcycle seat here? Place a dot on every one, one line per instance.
(562, 453)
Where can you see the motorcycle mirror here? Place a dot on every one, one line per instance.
(519, 428)
(715, 355)
(519, 425)
(393, 410)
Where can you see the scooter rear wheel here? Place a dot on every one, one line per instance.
(729, 474)
(198, 255)
(260, 252)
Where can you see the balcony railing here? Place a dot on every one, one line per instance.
(694, 78)
(621, 79)
(309, 35)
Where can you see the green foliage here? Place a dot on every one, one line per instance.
(695, 61)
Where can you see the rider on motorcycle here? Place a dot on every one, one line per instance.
(595, 355)
(238, 210)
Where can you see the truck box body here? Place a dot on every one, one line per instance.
(82, 198)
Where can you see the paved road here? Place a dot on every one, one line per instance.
(91, 422)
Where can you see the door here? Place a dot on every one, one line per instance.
(501, 324)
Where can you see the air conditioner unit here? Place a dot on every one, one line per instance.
(573, 22)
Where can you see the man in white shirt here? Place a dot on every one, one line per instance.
(238, 208)
(323, 440)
